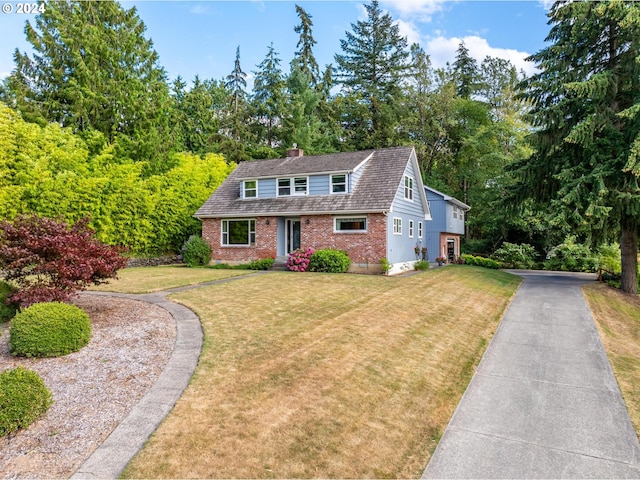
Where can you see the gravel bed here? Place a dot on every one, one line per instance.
(93, 389)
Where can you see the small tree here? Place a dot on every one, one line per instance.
(48, 260)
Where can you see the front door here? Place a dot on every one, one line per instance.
(293, 234)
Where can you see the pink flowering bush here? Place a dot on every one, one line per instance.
(299, 259)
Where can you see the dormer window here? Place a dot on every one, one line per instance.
(250, 189)
(339, 183)
(293, 186)
(408, 188)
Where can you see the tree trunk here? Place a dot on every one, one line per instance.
(629, 253)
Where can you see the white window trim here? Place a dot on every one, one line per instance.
(410, 228)
(420, 232)
(397, 226)
(226, 220)
(346, 183)
(244, 189)
(335, 225)
(292, 187)
(409, 189)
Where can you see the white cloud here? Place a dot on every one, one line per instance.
(409, 30)
(421, 10)
(4, 75)
(442, 50)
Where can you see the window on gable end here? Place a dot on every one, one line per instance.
(408, 188)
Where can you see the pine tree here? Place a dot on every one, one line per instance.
(372, 68)
(269, 97)
(304, 58)
(93, 69)
(237, 83)
(465, 70)
(586, 110)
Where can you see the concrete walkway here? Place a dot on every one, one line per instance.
(544, 402)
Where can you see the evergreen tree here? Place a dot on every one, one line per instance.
(372, 68)
(235, 123)
(93, 69)
(465, 70)
(304, 59)
(586, 110)
(269, 97)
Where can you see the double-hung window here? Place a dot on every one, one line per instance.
(419, 229)
(238, 232)
(397, 226)
(250, 189)
(293, 186)
(408, 188)
(339, 183)
(410, 228)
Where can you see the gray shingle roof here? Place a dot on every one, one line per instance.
(374, 192)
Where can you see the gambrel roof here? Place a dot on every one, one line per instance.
(382, 174)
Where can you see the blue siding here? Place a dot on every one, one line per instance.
(401, 247)
(319, 185)
(267, 188)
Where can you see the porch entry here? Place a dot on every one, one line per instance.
(292, 234)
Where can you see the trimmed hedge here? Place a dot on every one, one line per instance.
(330, 261)
(7, 310)
(480, 261)
(196, 252)
(49, 330)
(23, 399)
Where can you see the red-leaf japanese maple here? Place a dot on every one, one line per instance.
(48, 260)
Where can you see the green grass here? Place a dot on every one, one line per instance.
(326, 375)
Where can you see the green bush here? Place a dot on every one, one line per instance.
(330, 261)
(7, 310)
(570, 256)
(609, 258)
(196, 252)
(480, 261)
(385, 265)
(262, 264)
(513, 255)
(421, 265)
(49, 330)
(23, 399)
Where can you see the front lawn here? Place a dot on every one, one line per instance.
(320, 375)
(617, 316)
(155, 279)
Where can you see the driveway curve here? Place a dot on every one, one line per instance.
(544, 402)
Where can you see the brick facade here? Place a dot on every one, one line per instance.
(316, 231)
(367, 247)
(265, 246)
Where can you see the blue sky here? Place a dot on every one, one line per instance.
(200, 37)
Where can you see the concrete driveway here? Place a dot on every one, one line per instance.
(544, 402)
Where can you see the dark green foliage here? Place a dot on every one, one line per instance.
(23, 399)
(93, 70)
(480, 261)
(7, 310)
(196, 252)
(571, 257)
(586, 113)
(49, 330)
(371, 69)
(513, 255)
(330, 261)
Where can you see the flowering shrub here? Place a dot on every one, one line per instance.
(299, 259)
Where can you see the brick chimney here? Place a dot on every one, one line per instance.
(295, 152)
